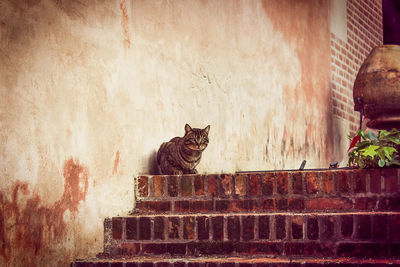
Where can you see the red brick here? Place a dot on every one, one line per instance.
(182, 206)
(359, 181)
(188, 227)
(363, 227)
(254, 248)
(217, 225)
(248, 227)
(212, 185)
(267, 187)
(173, 227)
(344, 184)
(240, 184)
(126, 249)
(159, 228)
(172, 186)
(176, 248)
(162, 264)
(391, 180)
(308, 249)
(182, 264)
(375, 181)
(225, 185)
(395, 227)
(297, 227)
(144, 228)
(269, 248)
(158, 182)
(131, 228)
(296, 204)
(280, 226)
(297, 183)
(346, 226)
(328, 204)
(366, 203)
(116, 228)
(199, 185)
(233, 228)
(186, 186)
(327, 227)
(143, 186)
(282, 180)
(364, 250)
(203, 228)
(236, 205)
(263, 227)
(267, 204)
(390, 203)
(157, 206)
(210, 248)
(281, 204)
(201, 205)
(154, 248)
(328, 182)
(312, 228)
(254, 185)
(380, 227)
(312, 182)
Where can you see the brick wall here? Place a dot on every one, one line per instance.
(364, 32)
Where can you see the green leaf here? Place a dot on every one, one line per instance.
(383, 133)
(372, 136)
(381, 154)
(389, 151)
(381, 163)
(363, 144)
(362, 134)
(395, 162)
(370, 151)
(394, 140)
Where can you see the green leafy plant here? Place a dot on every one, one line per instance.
(368, 150)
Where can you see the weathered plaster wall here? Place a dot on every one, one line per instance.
(90, 89)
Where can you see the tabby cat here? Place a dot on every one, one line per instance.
(182, 154)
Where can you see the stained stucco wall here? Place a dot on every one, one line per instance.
(90, 89)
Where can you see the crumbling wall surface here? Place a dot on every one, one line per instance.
(90, 89)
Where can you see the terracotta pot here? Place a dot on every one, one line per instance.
(376, 89)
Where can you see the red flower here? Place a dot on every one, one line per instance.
(354, 142)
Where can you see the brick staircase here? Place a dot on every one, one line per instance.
(285, 218)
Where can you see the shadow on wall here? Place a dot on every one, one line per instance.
(152, 164)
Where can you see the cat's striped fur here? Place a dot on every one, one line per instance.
(182, 154)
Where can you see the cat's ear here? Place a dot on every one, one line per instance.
(206, 130)
(187, 128)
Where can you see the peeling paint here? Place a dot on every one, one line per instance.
(124, 23)
(32, 226)
(116, 162)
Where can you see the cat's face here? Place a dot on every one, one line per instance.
(196, 139)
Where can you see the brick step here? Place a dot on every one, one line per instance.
(230, 262)
(271, 204)
(331, 249)
(323, 234)
(331, 190)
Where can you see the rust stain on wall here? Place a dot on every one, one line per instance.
(116, 162)
(32, 226)
(304, 25)
(124, 24)
(73, 8)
